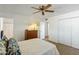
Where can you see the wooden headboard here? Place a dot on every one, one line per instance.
(30, 34)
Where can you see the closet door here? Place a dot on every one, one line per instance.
(75, 33)
(53, 31)
(61, 31)
(64, 32)
(68, 32)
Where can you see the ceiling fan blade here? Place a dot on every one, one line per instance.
(46, 7)
(43, 13)
(36, 12)
(35, 8)
(49, 11)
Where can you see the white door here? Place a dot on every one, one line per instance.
(64, 32)
(61, 32)
(75, 32)
(68, 32)
(42, 30)
(53, 31)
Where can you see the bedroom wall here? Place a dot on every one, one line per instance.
(20, 25)
(19, 22)
(65, 29)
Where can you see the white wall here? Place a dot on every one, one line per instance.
(65, 29)
(19, 24)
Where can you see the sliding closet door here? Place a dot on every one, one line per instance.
(61, 31)
(75, 33)
(53, 31)
(68, 32)
(64, 32)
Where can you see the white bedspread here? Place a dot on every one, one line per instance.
(37, 47)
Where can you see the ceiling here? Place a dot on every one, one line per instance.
(26, 10)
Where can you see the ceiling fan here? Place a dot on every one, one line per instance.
(43, 9)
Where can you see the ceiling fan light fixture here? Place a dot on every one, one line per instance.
(43, 9)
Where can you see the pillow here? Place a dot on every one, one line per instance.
(2, 48)
(13, 48)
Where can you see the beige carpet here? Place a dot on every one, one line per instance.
(66, 50)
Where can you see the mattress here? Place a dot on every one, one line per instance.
(37, 47)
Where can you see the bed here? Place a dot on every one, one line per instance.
(37, 47)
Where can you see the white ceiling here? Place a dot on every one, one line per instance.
(26, 10)
(65, 8)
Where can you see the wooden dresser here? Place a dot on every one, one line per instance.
(30, 34)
